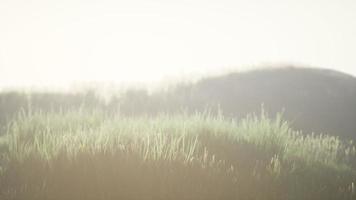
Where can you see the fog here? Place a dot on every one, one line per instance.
(57, 43)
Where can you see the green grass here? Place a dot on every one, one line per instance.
(92, 155)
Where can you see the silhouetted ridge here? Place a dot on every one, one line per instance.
(316, 100)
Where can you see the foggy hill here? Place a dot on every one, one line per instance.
(314, 100)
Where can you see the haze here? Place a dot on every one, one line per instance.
(44, 43)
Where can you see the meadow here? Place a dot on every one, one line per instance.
(95, 154)
(185, 142)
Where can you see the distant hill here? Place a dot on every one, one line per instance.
(314, 100)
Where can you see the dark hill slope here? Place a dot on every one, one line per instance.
(314, 100)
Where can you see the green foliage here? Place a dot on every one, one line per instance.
(81, 154)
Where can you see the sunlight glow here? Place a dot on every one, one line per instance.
(59, 42)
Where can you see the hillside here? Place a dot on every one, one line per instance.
(313, 100)
(94, 156)
(173, 145)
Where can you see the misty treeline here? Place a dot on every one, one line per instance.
(129, 102)
(312, 100)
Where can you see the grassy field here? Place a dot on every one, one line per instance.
(87, 155)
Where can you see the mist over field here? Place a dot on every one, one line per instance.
(282, 133)
(177, 100)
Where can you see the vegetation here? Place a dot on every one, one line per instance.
(167, 145)
(315, 100)
(94, 154)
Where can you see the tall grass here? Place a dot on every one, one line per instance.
(83, 154)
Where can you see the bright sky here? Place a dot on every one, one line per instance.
(48, 42)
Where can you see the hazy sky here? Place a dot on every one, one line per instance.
(44, 42)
